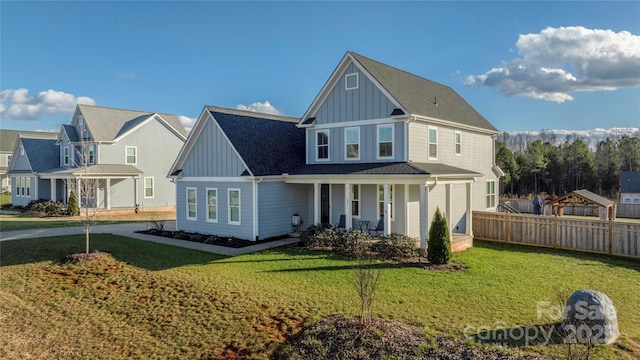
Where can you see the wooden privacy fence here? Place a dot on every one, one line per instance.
(596, 236)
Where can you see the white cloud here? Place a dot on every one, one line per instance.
(18, 104)
(187, 122)
(264, 107)
(558, 61)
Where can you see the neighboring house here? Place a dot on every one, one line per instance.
(375, 141)
(630, 187)
(128, 152)
(7, 142)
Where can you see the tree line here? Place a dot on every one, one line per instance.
(547, 165)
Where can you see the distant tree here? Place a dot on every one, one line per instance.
(579, 163)
(506, 160)
(630, 153)
(439, 249)
(537, 162)
(607, 167)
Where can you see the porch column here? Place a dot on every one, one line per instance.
(347, 206)
(424, 221)
(449, 211)
(135, 190)
(107, 191)
(78, 194)
(316, 203)
(387, 210)
(53, 190)
(469, 217)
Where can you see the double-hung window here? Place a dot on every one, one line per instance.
(212, 205)
(381, 200)
(385, 141)
(234, 207)
(131, 155)
(148, 187)
(66, 156)
(322, 143)
(433, 143)
(22, 184)
(458, 143)
(352, 143)
(92, 154)
(355, 200)
(491, 194)
(192, 203)
(28, 186)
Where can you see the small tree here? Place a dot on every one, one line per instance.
(439, 250)
(366, 282)
(74, 210)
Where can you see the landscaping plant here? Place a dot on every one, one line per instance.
(439, 249)
(74, 210)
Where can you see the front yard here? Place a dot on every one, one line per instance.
(24, 221)
(148, 300)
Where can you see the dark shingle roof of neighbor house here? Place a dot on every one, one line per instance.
(72, 133)
(8, 137)
(43, 154)
(630, 182)
(268, 144)
(383, 168)
(107, 124)
(424, 97)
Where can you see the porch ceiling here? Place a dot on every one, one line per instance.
(94, 171)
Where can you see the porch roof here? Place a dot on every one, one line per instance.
(101, 170)
(385, 168)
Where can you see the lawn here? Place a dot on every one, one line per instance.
(5, 199)
(148, 300)
(26, 222)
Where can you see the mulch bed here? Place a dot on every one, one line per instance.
(83, 257)
(347, 338)
(230, 241)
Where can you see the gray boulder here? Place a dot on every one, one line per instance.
(590, 317)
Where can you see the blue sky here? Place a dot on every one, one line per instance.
(576, 66)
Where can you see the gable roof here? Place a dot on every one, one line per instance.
(587, 199)
(416, 95)
(106, 124)
(8, 137)
(72, 133)
(384, 168)
(630, 181)
(43, 154)
(268, 144)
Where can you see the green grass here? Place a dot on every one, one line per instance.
(153, 301)
(27, 222)
(5, 199)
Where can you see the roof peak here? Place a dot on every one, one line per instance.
(252, 114)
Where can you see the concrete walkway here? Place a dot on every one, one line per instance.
(129, 230)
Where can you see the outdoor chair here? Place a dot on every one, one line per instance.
(378, 229)
(342, 224)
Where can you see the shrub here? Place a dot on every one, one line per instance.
(395, 246)
(74, 210)
(318, 236)
(351, 241)
(439, 249)
(181, 235)
(46, 208)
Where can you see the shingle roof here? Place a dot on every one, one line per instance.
(72, 133)
(424, 97)
(8, 137)
(268, 144)
(383, 168)
(106, 124)
(43, 154)
(584, 194)
(630, 182)
(99, 170)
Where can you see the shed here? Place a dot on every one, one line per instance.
(585, 199)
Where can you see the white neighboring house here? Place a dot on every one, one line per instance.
(129, 152)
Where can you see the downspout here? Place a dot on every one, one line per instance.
(255, 207)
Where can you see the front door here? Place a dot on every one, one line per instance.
(324, 204)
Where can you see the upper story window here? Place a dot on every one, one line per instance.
(92, 154)
(148, 187)
(351, 81)
(9, 159)
(21, 150)
(385, 141)
(458, 143)
(322, 143)
(491, 194)
(131, 155)
(433, 143)
(66, 156)
(352, 143)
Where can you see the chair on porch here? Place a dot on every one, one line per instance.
(378, 229)
(342, 224)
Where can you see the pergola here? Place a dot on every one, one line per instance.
(585, 199)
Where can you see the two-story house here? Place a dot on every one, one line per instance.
(7, 143)
(377, 142)
(124, 154)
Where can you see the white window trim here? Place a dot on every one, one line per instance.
(346, 82)
(66, 155)
(216, 204)
(359, 200)
(392, 192)
(328, 133)
(492, 195)
(153, 186)
(378, 141)
(346, 144)
(429, 143)
(126, 148)
(455, 143)
(229, 206)
(187, 203)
